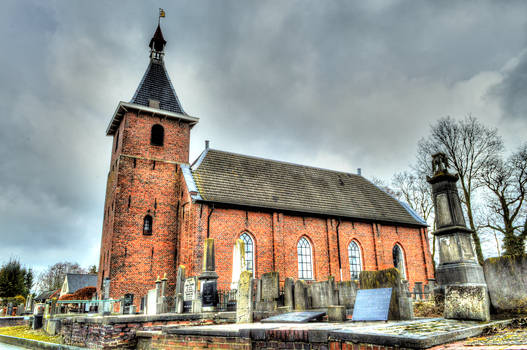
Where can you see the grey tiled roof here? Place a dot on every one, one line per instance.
(156, 85)
(77, 281)
(224, 177)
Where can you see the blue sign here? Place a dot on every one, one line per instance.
(372, 304)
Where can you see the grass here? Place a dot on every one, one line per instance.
(28, 333)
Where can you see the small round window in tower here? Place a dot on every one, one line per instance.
(157, 136)
(147, 225)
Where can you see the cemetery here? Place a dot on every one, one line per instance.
(270, 312)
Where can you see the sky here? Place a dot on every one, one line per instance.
(334, 84)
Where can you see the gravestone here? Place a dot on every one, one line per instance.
(347, 291)
(127, 302)
(106, 288)
(270, 292)
(336, 313)
(151, 302)
(506, 278)
(458, 265)
(467, 303)
(270, 286)
(244, 298)
(289, 301)
(190, 294)
(322, 294)
(180, 286)
(295, 317)
(401, 307)
(208, 277)
(300, 292)
(372, 304)
(238, 262)
(209, 295)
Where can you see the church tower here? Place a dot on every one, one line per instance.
(151, 136)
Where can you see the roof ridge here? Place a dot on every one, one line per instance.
(284, 162)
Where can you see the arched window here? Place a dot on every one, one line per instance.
(305, 260)
(249, 251)
(355, 260)
(398, 260)
(157, 136)
(147, 225)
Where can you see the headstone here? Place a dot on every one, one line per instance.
(238, 262)
(180, 280)
(180, 289)
(244, 298)
(336, 313)
(289, 300)
(372, 304)
(190, 293)
(151, 302)
(321, 294)
(300, 292)
(258, 290)
(270, 286)
(467, 303)
(347, 292)
(388, 278)
(418, 290)
(132, 310)
(208, 277)
(295, 317)
(270, 292)
(127, 302)
(209, 295)
(506, 278)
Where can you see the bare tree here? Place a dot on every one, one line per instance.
(507, 182)
(415, 191)
(53, 277)
(469, 146)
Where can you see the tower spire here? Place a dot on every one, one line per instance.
(157, 45)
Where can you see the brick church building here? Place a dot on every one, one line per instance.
(301, 221)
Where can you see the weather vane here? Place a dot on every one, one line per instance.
(161, 14)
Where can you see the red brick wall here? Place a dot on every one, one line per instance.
(143, 180)
(276, 235)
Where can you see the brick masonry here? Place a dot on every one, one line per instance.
(147, 180)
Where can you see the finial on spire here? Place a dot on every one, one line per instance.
(157, 43)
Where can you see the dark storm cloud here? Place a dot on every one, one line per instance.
(335, 84)
(513, 90)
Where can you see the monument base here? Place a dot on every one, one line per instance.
(459, 273)
(467, 302)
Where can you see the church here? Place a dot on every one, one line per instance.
(303, 222)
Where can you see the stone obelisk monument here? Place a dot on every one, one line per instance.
(459, 276)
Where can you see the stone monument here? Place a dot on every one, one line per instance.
(239, 263)
(458, 265)
(180, 284)
(208, 278)
(244, 298)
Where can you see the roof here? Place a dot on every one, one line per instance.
(230, 178)
(46, 295)
(77, 281)
(156, 85)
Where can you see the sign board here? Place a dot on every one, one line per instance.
(295, 317)
(372, 304)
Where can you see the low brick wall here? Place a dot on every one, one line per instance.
(11, 321)
(120, 331)
(283, 339)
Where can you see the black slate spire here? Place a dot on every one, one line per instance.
(155, 89)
